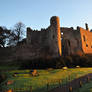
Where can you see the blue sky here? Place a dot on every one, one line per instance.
(37, 13)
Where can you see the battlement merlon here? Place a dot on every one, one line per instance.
(28, 39)
(86, 25)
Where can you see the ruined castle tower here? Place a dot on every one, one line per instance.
(28, 39)
(45, 42)
(56, 34)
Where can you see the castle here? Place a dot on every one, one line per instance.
(51, 42)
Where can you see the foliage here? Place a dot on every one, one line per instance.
(3, 77)
(68, 61)
(4, 35)
(11, 37)
(56, 63)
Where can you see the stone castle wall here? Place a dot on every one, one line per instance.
(71, 41)
(45, 43)
(53, 41)
(56, 34)
(6, 54)
(86, 37)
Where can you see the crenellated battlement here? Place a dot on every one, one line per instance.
(53, 41)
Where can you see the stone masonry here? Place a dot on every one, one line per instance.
(51, 42)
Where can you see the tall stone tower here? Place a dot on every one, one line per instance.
(55, 28)
(28, 40)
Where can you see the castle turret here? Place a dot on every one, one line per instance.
(56, 33)
(28, 35)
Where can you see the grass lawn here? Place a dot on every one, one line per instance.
(85, 88)
(24, 80)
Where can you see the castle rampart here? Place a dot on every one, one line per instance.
(49, 43)
(44, 43)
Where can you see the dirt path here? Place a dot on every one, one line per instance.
(75, 84)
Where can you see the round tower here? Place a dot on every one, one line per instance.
(55, 24)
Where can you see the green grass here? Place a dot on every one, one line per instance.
(24, 80)
(85, 88)
(8, 67)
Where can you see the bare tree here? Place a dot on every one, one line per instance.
(19, 31)
(17, 34)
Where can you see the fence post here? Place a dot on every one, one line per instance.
(59, 82)
(10, 90)
(69, 78)
(88, 79)
(70, 89)
(76, 76)
(47, 86)
(80, 83)
(31, 89)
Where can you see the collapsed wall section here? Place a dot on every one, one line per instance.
(71, 41)
(86, 37)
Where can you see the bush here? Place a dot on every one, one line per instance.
(60, 63)
(69, 61)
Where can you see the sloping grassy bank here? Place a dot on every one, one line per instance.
(24, 80)
(85, 88)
